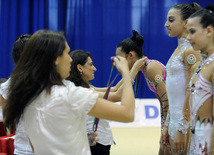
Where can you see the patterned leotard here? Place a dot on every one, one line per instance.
(201, 90)
(149, 82)
(176, 89)
(152, 87)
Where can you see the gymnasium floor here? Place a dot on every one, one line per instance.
(135, 140)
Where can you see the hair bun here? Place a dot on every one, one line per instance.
(196, 6)
(137, 38)
(211, 8)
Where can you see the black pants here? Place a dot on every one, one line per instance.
(100, 149)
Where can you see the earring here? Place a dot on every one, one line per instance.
(81, 73)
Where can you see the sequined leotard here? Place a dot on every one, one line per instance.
(176, 89)
(201, 90)
(152, 87)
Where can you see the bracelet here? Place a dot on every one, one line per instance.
(132, 80)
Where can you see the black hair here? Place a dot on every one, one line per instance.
(79, 57)
(187, 9)
(18, 46)
(206, 16)
(135, 43)
(34, 72)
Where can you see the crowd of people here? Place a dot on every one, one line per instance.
(49, 91)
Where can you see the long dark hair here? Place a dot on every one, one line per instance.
(135, 43)
(79, 57)
(206, 16)
(34, 72)
(187, 9)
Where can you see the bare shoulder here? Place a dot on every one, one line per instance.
(191, 56)
(153, 66)
(190, 50)
(153, 69)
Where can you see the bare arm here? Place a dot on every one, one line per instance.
(113, 89)
(116, 94)
(124, 112)
(138, 66)
(155, 73)
(180, 142)
(191, 59)
(113, 96)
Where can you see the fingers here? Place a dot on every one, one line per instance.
(144, 58)
(93, 144)
(95, 133)
(179, 147)
(95, 139)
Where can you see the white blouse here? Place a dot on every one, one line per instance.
(21, 141)
(56, 122)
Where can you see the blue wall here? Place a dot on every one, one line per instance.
(92, 25)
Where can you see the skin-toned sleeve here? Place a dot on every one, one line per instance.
(191, 58)
(155, 73)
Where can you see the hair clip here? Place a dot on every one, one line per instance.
(210, 11)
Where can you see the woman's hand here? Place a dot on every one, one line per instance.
(165, 138)
(180, 142)
(121, 64)
(139, 64)
(93, 138)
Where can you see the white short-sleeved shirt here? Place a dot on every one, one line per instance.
(56, 122)
(21, 141)
(104, 130)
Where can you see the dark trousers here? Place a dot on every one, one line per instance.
(100, 149)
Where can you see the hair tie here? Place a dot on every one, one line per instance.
(210, 11)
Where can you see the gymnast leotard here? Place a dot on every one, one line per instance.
(152, 86)
(176, 90)
(201, 90)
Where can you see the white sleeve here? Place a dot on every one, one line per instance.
(4, 89)
(80, 99)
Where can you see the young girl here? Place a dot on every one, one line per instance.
(153, 71)
(178, 76)
(200, 26)
(54, 109)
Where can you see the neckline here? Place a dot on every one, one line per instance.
(206, 59)
(203, 63)
(182, 41)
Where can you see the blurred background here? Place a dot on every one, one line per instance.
(92, 25)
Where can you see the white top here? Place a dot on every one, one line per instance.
(104, 130)
(201, 91)
(21, 141)
(176, 87)
(56, 122)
